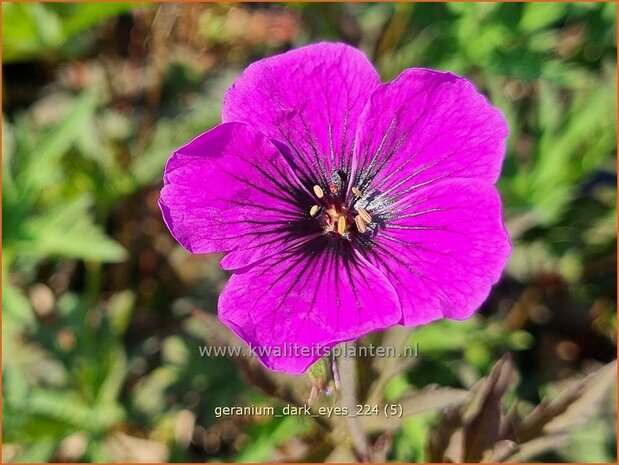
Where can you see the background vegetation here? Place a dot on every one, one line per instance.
(103, 312)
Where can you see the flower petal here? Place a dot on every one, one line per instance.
(309, 100)
(424, 126)
(444, 249)
(316, 296)
(230, 190)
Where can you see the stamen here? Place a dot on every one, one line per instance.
(318, 191)
(365, 215)
(357, 192)
(314, 210)
(341, 225)
(360, 224)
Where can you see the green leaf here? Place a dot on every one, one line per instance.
(591, 444)
(15, 306)
(68, 408)
(48, 25)
(270, 435)
(85, 15)
(8, 154)
(39, 165)
(27, 29)
(31, 30)
(416, 431)
(539, 15)
(39, 451)
(111, 386)
(69, 231)
(120, 310)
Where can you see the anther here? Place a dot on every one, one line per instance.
(365, 215)
(341, 225)
(318, 191)
(314, 210)
(360, 224)
(357, 192)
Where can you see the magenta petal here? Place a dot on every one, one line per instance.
(444, 249)
(230, 190)
(308, 99)
(309, 299)
(428, 125)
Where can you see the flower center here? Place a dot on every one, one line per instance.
(335, 215)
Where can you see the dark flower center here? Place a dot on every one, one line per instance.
(335, 214)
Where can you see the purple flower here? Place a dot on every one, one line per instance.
(344, 205)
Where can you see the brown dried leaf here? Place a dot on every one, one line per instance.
(481, 430)
(443, 435)
(535, 447)
(573, 406)
(379, 450)
(433, 398)
(425, 400)
(501, 450)
(342, 453)
(593, 390)
(511, 420)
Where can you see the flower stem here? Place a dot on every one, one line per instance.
(348, 381)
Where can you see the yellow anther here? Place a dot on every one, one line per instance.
(341, 225)
(318, 191)
(365, 215)
(314, 210)
(357, 192)
(360, 224)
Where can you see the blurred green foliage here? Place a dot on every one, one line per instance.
(100, 362)
(48, 31)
